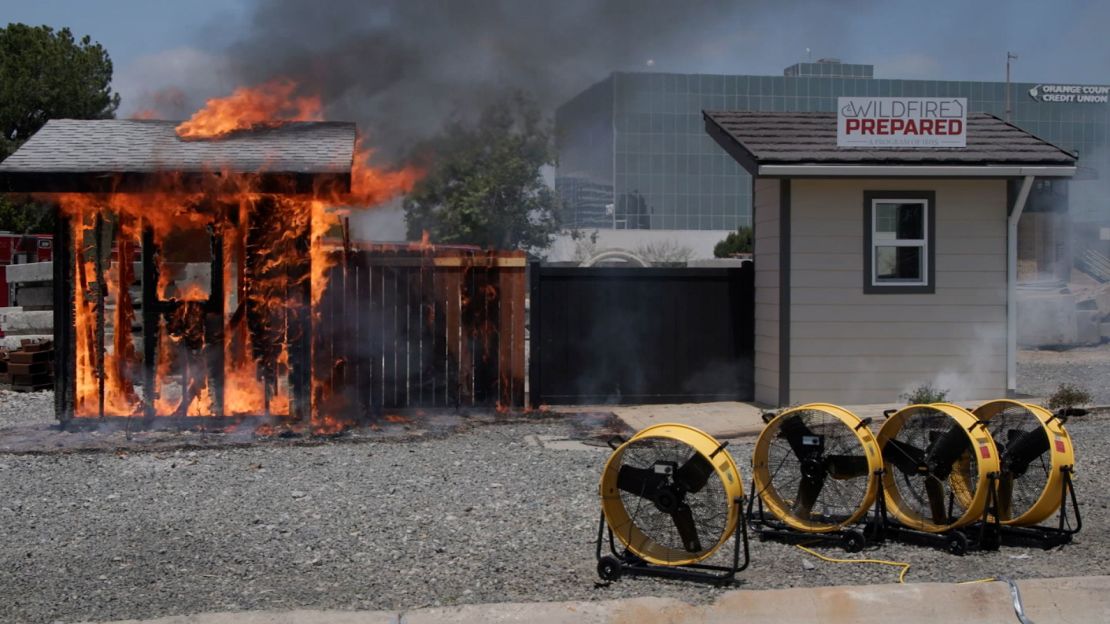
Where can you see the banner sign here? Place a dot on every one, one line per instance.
(1070, 94)
(901, 122)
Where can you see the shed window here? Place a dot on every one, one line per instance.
(899, 245)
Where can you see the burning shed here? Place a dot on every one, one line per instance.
(226, 250)
(225, 237)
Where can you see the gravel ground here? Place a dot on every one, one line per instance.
(478, 516)
(1040, 372)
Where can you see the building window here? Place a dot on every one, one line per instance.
(899, 230)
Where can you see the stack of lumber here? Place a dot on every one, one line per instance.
(29, 368)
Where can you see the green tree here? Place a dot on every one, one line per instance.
(737, 242)
(484, 184)
(46, 74)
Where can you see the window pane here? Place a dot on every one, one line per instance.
(899, 221)
(911, 222)
(898, 264)
(886, 221)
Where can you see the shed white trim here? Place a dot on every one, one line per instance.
(1011, 281)
(914, 171)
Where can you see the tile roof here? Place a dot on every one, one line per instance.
(117, 146)
(767, 138)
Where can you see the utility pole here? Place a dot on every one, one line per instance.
(1010, 56)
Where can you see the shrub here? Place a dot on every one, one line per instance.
(737, 242)
(1068, 395)
(924, 394)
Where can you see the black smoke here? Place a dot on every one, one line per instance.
(402, 67)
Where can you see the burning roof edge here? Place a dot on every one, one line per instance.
(787, 141)
(110, 155)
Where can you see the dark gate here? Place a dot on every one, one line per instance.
(641, 335)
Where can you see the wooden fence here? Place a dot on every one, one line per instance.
(404, 327)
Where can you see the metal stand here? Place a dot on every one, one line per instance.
(981, 535)
(1046, 536)
(613, 566)
(767, 527)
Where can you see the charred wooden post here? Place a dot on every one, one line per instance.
(151, 315)
(65, 354)
(299, 332)
(101, 301)
(123, 348)
(214, 319)
(265, 322)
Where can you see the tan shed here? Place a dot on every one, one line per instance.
(880, 269)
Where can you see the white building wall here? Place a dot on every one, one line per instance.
(699, 243)
(848, 347)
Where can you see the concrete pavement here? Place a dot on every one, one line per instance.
(1073, 600)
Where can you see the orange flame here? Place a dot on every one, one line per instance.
(249, 107)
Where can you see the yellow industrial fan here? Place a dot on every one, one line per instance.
(672, 496)
(814, 469)
(939, 467)
(1037, 458)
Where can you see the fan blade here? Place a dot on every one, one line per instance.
(639, 481)
(945, 449)
(935, 490)
(694, 474)
(809, 488)
(795, 431)
(1005, 500)
(906, 458)
(846, 466)
(1023, 448)
(683, 518)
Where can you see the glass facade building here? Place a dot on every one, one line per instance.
(633, 152)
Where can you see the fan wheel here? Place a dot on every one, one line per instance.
(814, 467)
(609, 568)
(670, 493)
(853, 541)
(937, 462)
(1034, 448)
(956, 543)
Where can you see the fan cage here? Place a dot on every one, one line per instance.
(967, 489)
(1037, 494)
(777, 471)
(649, 533)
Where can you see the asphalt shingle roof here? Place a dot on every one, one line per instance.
(117, 146)
(770, 138)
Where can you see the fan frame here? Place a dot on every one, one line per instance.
(1061, 453)
(774, 502)
(638, 543)
(987, 463)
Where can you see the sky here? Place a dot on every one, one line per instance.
(194, 44)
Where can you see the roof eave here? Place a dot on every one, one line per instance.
(912, 171)
(269, 182)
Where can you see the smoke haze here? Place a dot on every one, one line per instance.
(402, 67)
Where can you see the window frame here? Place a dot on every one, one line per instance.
(870, 285)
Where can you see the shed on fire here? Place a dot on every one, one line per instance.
(252, 305)
(887, 264)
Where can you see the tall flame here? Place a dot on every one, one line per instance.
(249, 107)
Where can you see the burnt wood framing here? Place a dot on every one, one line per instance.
(272, 182)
